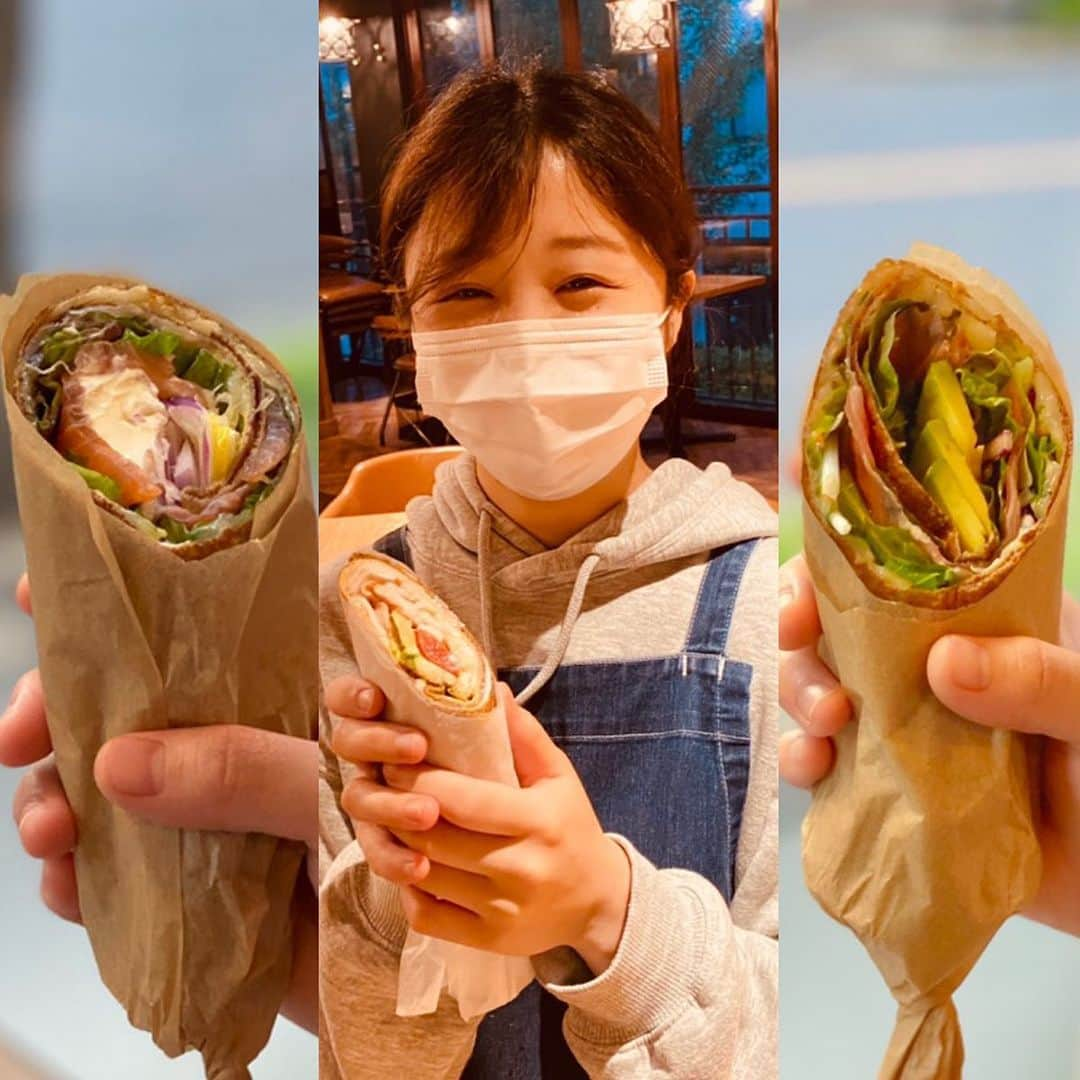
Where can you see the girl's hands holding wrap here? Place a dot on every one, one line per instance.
(1018, 683)
(226, 777)
(512, 871)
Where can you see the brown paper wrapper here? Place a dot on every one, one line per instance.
(191, 930)
(922, 839)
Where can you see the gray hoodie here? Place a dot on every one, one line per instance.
(692, 991)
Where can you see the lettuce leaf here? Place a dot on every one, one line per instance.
(207, 371)
(893, 547)
(878, 366)
(156, 342)
(98, 482)
(1040, 451)
(983, 380)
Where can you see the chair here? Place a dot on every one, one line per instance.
(384, 484)
(394, 334)
(347, 305)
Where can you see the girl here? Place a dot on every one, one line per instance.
(542, 245)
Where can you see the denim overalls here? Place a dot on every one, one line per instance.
(662, 746)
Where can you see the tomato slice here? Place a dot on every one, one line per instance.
(436, 651)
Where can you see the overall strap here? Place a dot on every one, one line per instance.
(396, 545)
(716, 598)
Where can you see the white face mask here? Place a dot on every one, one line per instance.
(548, 406)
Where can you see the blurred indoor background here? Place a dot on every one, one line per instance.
(172, 142)
(956, 123)
(704, 72)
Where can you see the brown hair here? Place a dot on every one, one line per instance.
(472, 160)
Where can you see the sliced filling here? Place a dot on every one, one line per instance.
(933, 440)
(157, 420)
(424, 637)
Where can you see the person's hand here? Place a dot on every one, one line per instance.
(512, 871)
(226, 777)
(1018, 683)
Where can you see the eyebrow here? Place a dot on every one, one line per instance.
(585, 241)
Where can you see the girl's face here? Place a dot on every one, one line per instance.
(572, 257)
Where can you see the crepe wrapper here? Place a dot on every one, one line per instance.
(473, 741)
(922, 839)
(191, 930)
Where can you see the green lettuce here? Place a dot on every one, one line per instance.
(98, 481)
(893, 548)
(156, 342)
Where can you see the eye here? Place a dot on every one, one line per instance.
(581, 283)
(466, 292)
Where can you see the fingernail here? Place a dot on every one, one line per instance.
(29, 807)
(365, 700)
(787, 594)
(136, 766)
(969, 664)
(416, 810)
(409, 745)
(810, 697)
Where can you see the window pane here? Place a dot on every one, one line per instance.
(451, 46)
(336, 87)
(723, 93)
(527, 28)
(633, 73)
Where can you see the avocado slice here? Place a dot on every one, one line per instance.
(944, 484)
(935, 447)
(941, 398)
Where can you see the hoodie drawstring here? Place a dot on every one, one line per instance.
(483, 543)
(570, 618)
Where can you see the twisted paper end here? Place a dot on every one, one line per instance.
(926, 1044)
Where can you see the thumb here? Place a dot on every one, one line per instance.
(225, 777)
(536, 757)
(1018, 683)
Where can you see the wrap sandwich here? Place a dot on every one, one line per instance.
(171, 548)
(177, 427)
(936, 454)
(437, 679)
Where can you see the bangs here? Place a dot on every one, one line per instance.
(469, 216)
(465, 176)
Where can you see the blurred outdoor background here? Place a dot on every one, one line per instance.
(955, 123)
(173, 142)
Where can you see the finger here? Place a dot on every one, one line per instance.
(59, 889)
(388, 858)
(362, 741)
(461, 849)
(799, 624)
(810, 694)
(441, 918)
(355, 697)
(227, 777)
(375, 804)
(44, 817)
(469, 891)
(1017, 683)
(22, 593)
(793, 467)
(536, 757)
(484, 806)
(24, 734)
(804, 759)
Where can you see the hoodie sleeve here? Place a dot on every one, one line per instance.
(362, 925)
(693, 988)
